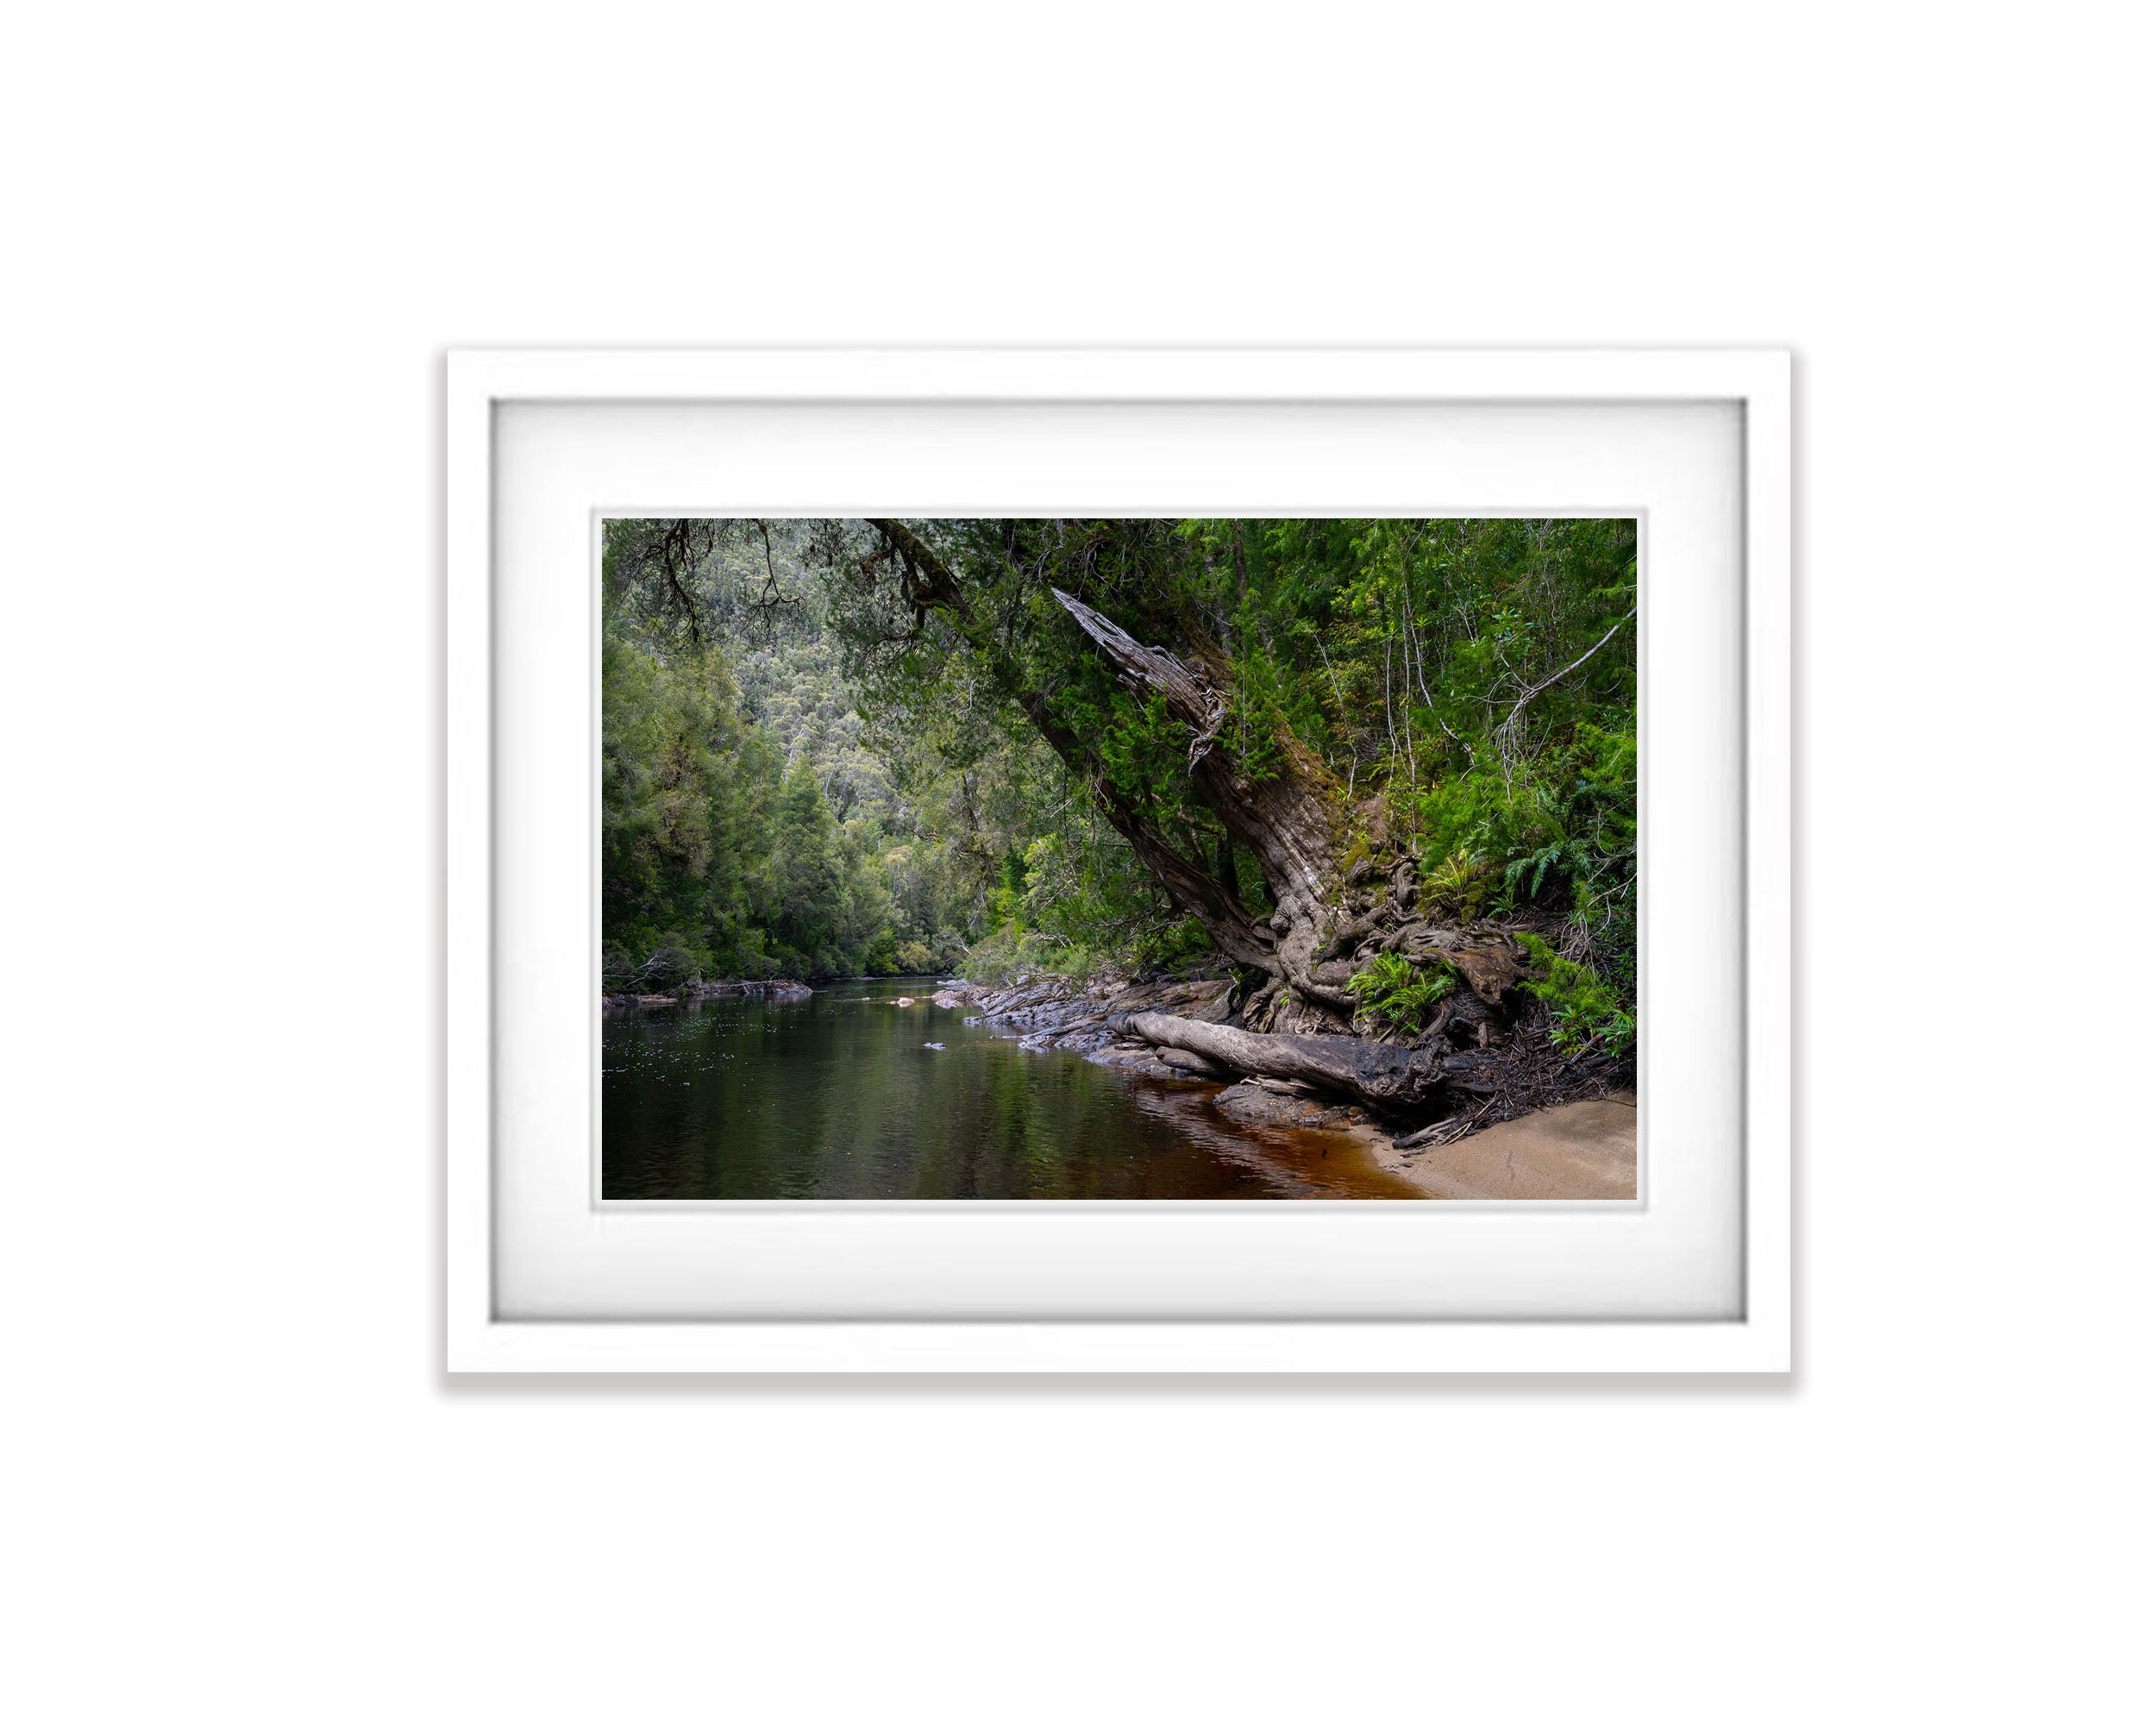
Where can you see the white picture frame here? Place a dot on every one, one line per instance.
(1562, 403)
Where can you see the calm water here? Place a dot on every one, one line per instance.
(836, 1097)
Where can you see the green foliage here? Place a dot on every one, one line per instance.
(1392, 990)
(1006, 956)
(1584, 1009)
(809, 764)
(1460, 884)
(1562, 833)
(717, 858)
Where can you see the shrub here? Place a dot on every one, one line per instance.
(1584, 1009)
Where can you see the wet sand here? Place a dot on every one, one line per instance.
(1583, 1149)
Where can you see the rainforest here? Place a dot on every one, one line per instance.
(1372, 781)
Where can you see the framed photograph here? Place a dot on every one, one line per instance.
(1081, 861)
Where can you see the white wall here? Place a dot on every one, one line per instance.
(237, 1484)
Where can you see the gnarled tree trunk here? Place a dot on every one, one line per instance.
(1290, 818)
(1328, 917)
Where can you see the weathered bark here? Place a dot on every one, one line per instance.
(1195, 890)
(1373, 1071)
(1182, 1060)
(1287, 819)
(1491, 964)
(1224, 865)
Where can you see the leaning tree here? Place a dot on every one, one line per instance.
(1116, 640)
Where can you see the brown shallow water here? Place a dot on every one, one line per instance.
(837, 1097)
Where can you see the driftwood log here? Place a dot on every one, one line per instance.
(1197, 1065)
(1355, 1066)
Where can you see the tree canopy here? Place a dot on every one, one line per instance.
(858, 746)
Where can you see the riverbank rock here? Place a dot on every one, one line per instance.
(777, 988)
(1058, 1012)
(1139, 1059)
(1093, 1019)
(1276, 1102)
(610, 1004)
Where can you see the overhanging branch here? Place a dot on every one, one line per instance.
(1556, 676)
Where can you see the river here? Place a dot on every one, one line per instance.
(839, 1096)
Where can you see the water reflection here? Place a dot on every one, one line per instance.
(840, 1096)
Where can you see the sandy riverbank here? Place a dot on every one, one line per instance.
(1583, 1150)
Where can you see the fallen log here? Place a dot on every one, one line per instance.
(1197, 1065)
(1372, 1071)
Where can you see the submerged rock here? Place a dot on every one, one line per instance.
(1271, 1102)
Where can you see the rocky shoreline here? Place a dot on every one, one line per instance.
(1137, 1025)
(776, 988)
(1099, 1020)
(1575, 1147)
